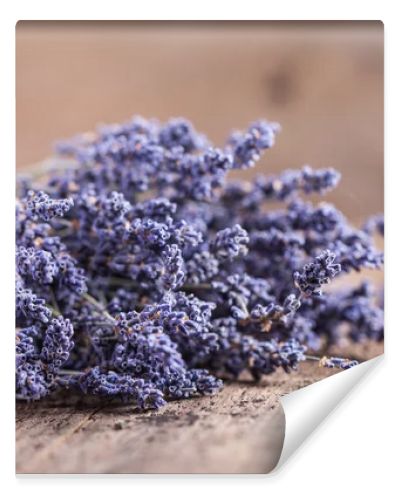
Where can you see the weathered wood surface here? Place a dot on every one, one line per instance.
(240, 430)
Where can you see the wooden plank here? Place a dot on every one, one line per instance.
(240, 430)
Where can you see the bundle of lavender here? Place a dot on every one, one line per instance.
(144, 274)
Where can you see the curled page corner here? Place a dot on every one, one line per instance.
(306, 408)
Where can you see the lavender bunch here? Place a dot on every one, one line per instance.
(144, 274)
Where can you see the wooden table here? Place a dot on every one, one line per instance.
(240, 430)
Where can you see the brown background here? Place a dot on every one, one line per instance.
(322, 81)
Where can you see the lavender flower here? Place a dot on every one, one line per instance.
(201, 267)
(230, 243)
(316, 273)
(247, 147)
(36, 265)
(40, 205)
(57, 343)
(29, 307)
(341, 363)
(306, 180)
(375, 223)
(174, 274)
(109, 383)
(31, 382)
(144, 275)
(179, 132)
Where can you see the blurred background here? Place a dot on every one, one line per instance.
(323, 81)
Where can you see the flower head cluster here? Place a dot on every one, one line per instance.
(144, 274)
(230, 243)
(41, 206)
(316, 273)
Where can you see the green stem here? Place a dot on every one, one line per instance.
(93, 322)
(70, 372)
(312, 358)
(56, 308)
(241, 303)
(196, 287)
(43, 168)
(122, 282)
(54, 311)
(91, 300)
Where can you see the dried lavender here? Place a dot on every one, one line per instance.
(144, 274)
(342, 363)
(316, 273)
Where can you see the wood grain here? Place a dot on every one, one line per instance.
(240, 430)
